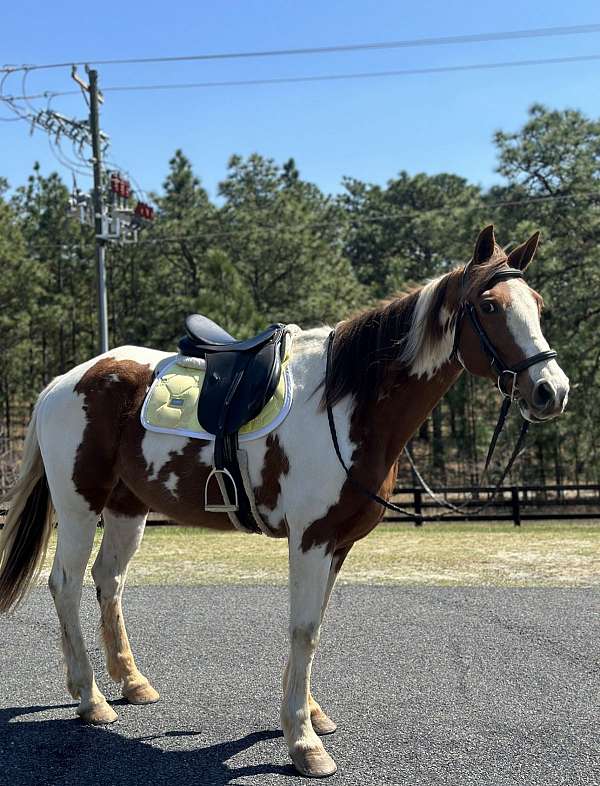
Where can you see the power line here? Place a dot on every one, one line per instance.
(539, 32)
(382, 218)
(321, 77)
(218, 233)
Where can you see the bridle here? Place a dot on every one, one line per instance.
(468, 309)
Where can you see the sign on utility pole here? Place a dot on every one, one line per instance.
(98, 211)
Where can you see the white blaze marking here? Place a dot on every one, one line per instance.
(523, 321)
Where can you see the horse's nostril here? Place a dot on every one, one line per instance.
(543, 394)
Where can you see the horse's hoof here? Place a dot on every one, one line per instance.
(141, 694)
(313, 763)
(322, 723)
(98, 714)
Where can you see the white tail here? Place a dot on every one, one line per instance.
(24, 539)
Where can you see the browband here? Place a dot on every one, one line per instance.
(502, 275)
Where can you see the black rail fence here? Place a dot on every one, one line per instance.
(511, 503)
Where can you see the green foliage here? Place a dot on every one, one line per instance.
(413, 229)
(273, 247)
(283, 237)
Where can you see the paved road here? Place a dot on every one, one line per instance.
(429, 686)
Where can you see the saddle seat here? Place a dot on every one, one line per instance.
(205, 336)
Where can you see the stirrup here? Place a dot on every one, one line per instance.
(224, 507)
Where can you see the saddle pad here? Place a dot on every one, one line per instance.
(171, 404)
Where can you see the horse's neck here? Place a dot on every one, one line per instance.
(394, 418)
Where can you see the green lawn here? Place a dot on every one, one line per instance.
(545, 554)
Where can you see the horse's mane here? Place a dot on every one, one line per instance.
(399, 334)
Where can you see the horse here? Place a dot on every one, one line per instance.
(87, 455)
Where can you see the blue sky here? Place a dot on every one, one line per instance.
(369, 129)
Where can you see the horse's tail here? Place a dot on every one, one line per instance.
(28, 524)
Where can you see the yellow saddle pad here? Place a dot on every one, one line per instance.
(171, 404)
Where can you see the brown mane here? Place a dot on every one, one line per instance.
(367, 344)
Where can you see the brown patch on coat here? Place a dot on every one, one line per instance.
(112, 390)
(123, 502)
(276, 464)
(380, 436)
(186, 506)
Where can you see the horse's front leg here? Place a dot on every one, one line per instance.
(309, 579)
(321, 722)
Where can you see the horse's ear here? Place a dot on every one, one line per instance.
(522, 255)
(485, 245)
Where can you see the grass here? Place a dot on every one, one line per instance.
(544, 554)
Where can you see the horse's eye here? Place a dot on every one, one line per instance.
(488, 307)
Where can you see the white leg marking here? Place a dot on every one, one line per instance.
(75, 538)
(309, 576)
(121, 539)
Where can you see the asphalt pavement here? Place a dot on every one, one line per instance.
(427, 685)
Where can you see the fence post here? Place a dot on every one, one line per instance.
(516, 513)
(418, 505)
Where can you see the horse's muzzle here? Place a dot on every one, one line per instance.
(548, 400)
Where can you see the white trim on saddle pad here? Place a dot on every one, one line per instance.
(150, 416)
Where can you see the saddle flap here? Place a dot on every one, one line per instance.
(236, 388)
(258, 384)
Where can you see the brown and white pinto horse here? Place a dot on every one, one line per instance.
(87, 454)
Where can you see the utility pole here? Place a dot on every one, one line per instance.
(98, 211)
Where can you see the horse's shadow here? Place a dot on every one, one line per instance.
(53, 752)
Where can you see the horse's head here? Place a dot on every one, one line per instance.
(500, 336)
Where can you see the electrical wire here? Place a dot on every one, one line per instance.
(221, 234)
(329, 77)
(507, 35)
(374, 219)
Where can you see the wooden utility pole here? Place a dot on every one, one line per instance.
(98, 211)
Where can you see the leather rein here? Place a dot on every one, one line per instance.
(502, 369)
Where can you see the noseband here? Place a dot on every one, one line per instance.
(468, 308)
(501, 368)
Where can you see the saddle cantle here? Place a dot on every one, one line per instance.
(240, 378)
(204, 336)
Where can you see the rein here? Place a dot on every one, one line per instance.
(501, 367)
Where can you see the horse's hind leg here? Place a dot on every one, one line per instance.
(74, 545)
(122, 536)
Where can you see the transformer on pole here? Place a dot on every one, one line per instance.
(107, 208)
